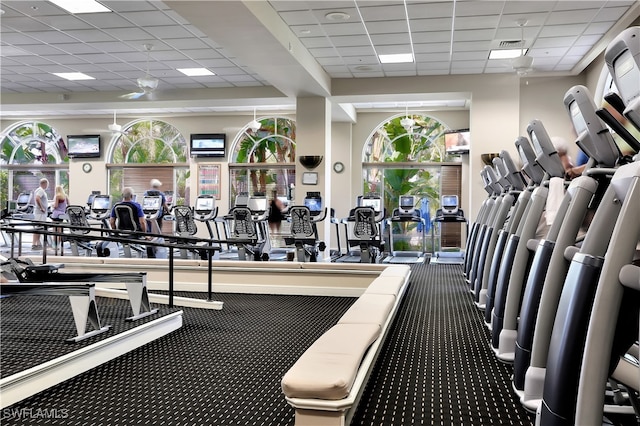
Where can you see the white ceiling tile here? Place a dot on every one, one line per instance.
(323, 52)
(476, 22)
(432, 37)
(431, 10)
(215, 63)
(361, 60)
(597, 28)
(479, 8)
(90, 35)
(533, 19)
(298, 17)
(51, 37)
(387, 27)
(463, 64)
(187, 43)
(571, 17)
(65, 22)
(562, 30)
(429, 25)
(129, 34)
(386, 39)
(368, 74)
(355, 40)
(330, 60)
(41, 49)
(433, 57)
(150, 18)
(472, 46)
(382, 13)
(24, 24)
(107, 20)
(168, 31)
(401, 73)
(347, 28)
(544, 42)
(588, 40)
(559, 51)
(129, 6)
(610, 14)
(528, 7)
(473, 35)
(432, 48)
(316, 42)
(470, 56)
(367, 50)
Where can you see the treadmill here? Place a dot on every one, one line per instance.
(449, 212)
(359, 234)
(407, 217)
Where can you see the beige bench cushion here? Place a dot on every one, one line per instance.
(369, 309)
(385, 285)
(396, 271)
(328, 368)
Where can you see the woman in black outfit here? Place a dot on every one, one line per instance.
(275, 213)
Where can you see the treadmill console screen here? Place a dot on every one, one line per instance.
(151, 203)
(450, 201)
(576, 117)
(101, 203)
(407, 202)
(204, 204)
(536, 143)
(258, 204)
(23, 199)
(313, 204)
(375, 203)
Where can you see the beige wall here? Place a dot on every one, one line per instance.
(501, 106)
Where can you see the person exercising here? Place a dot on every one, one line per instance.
(127, 198)
(275, 213)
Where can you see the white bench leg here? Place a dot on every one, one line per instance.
(319, 418)
(139, 298)
(84, 308)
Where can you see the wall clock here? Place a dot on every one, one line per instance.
(86, 167)
(338, 167)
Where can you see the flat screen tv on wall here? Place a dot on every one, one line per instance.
(208, 145)
(457, 141)
(84, 146)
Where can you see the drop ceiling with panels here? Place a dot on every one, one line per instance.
(267, 53)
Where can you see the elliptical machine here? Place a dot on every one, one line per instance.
(304, 232)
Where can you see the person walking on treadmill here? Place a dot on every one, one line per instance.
(275, 213)
(153, 192)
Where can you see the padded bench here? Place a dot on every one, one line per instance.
(326, 382)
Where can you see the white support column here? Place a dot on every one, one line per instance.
(313, 137)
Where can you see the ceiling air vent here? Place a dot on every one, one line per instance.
(511, 44)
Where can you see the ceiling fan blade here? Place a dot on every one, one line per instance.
(133, 95)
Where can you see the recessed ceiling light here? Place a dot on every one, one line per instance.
(305, 31)
(337, 16)
(80, 6)
(506, 53)
(364, 68)
(396, 58)
(195, 72)
(73, 76)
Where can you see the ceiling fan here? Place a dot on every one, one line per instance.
(146, 84)
(522, 64)
(113, 128)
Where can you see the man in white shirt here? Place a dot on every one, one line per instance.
(40, 206)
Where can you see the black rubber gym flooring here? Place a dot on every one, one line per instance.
(224, 367)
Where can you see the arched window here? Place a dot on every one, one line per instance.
(406, 155)
(149, 149)
(263, 161)
(32, 150)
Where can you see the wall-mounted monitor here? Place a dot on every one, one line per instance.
(84, 146)
(457, 141)
(208, 145)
